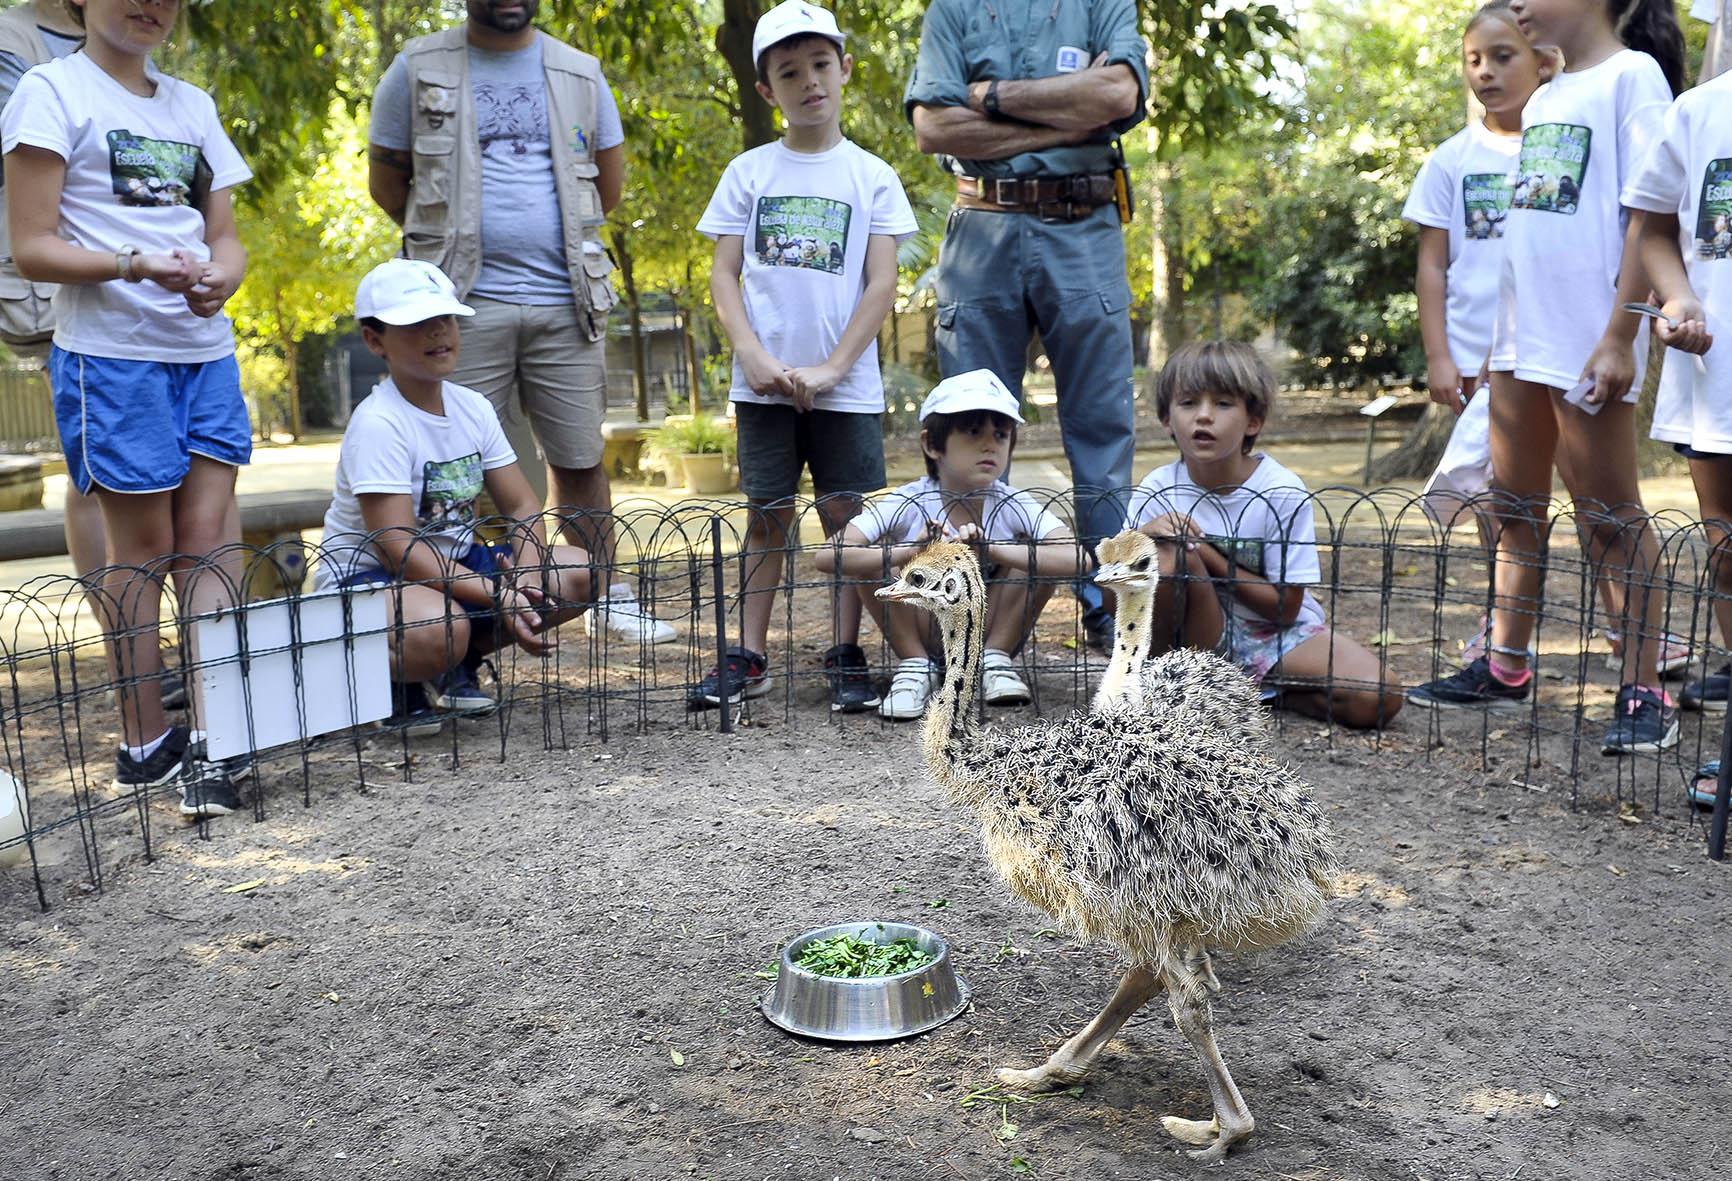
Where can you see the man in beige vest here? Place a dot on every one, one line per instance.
(499, 151)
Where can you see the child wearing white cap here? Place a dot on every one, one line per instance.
(417, 454)
(967, 434)
(805, 272)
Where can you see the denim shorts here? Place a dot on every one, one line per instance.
(134, 426)
(844, 449)
(481, 558)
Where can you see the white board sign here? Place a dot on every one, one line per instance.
(301, 666)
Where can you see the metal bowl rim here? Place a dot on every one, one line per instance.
(942, 956)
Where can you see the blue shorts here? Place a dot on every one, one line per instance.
(134, 426)
(482, 558)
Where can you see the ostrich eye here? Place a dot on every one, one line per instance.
(1140, 564)
(916, 579)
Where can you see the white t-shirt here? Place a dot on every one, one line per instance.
(1689, 174)
(805, 218)
(1464, 188)
(1265, 525)
(1583, 135)
(134, 168)
(1007, 515)
(438, 461)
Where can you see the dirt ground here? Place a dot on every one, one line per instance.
(547, 969)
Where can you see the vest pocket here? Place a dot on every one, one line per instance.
(597, 272)
(427, 220)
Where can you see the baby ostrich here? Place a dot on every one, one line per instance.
(1150, 831)
(1182, 679)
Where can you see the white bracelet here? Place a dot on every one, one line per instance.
(123, 263)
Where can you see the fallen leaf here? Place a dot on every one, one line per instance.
(679, 1058)
(333, 997)
(1627, 814)
(1616, 872)
(1007, 1131)
(1407, 572)
(1551, 1100)
(243, 887)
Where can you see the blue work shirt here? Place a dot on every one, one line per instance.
(964, 41)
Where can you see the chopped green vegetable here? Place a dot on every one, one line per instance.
(852, 956)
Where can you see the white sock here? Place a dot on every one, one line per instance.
(141, 753)
(991, 652)
(620, 591)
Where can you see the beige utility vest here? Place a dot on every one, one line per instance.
(25, 314)
(442, 222)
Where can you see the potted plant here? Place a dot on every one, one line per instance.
(698, 446)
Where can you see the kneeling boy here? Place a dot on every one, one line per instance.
(416, 456)
(967, 433)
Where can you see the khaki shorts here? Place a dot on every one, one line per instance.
(546, 379)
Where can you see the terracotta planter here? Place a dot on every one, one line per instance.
(707, 474)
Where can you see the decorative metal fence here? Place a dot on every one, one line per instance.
(1391, 578)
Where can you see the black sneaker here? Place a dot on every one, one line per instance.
(744, 674)
(459, 691)
(236, 767)
(173, 690)
(411, 712)
(166, 763)
(209, 793)
(1708, 694)
(1642, 723)
(1471, 687)
(1098, 632)
(851, 690)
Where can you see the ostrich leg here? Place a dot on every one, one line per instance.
(1187, 998)
(1073, 1059)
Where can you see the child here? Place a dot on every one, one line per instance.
(806, 387)
(1238, 527)
(967, 434)
(416, 456)
(1686, 190)
(118, 183)
(1569, 265)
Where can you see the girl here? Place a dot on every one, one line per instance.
(118, 181)
(1565, 358)
(1685, 188)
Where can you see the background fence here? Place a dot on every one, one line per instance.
(1391, 578)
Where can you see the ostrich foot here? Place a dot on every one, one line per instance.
(1047, 1077)
(1214, 1139)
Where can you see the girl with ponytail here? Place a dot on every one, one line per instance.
(1566, 360)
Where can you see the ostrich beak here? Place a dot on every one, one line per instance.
(1111, 574)
(896, 592)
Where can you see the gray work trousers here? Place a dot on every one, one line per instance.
(1001, 275)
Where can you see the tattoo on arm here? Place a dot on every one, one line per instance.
(393, 157)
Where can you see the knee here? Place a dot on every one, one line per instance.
(1368, 709)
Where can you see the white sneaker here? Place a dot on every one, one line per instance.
(999, 681)
(625, 619)
(909, 689)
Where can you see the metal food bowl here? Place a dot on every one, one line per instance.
(868, 1008)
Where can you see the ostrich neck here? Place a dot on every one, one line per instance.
(950, 712)
(1123, 682)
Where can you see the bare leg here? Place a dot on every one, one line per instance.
(1073, 1059)
(1013, 605)
(140, 531)
(1523, 440)
(1352, 690)
(1187, 615)
(835, 510)
(1188, 998)
(1713, 478)
(766, 543)
(584, 501)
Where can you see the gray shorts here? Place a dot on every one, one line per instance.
(844, 449)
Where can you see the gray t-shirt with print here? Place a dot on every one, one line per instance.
(522, 242)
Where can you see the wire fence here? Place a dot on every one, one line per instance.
(296, 689)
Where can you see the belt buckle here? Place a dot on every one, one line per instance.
(1067, 212)
(1000, 184)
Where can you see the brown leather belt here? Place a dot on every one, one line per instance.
(1064, 198)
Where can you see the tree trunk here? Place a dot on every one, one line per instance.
(1419, 452)
(292, 362)
(734, 43)
(634, 315)
(1167, 278)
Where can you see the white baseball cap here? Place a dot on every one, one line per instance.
(978, 389)
(407, 291)
(792, 18)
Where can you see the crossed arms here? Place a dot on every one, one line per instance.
(1034, 113)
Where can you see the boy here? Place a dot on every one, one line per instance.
(804, 327)
(416, 455)
(967, 434)
(1238, 527)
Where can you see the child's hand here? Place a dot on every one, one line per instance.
(1611, 367)
(817, 379)
(968, 533)
(214, 287)
(1443, 382)
(1174, 527)
(520, 615)
(802, 395)
(177, 270)
(765, 374)
(1691, 334)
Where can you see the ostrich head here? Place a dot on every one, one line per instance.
(1128, 561)
(939, 579)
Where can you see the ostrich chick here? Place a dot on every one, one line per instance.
(1149, 831)
(1223, 697)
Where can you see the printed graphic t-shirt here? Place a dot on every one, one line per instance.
(138, 170)
(1265, 525)
(522, 236)
(1689, 174)
(1464, 188)
(1584, 134)
(805, 218)
(439, 461)
(1007, 514)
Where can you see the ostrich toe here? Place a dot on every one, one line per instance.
(1045, 1077)
(1191, 1131)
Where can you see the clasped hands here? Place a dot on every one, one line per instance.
(205, 283)
(800, 383)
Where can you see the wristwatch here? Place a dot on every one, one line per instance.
(989, 103)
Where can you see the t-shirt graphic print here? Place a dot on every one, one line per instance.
(1485, 198)
(1714, 211)
(510, 118)
(809, 232)
(153, 172)
(1553, 162)
(449, 491)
